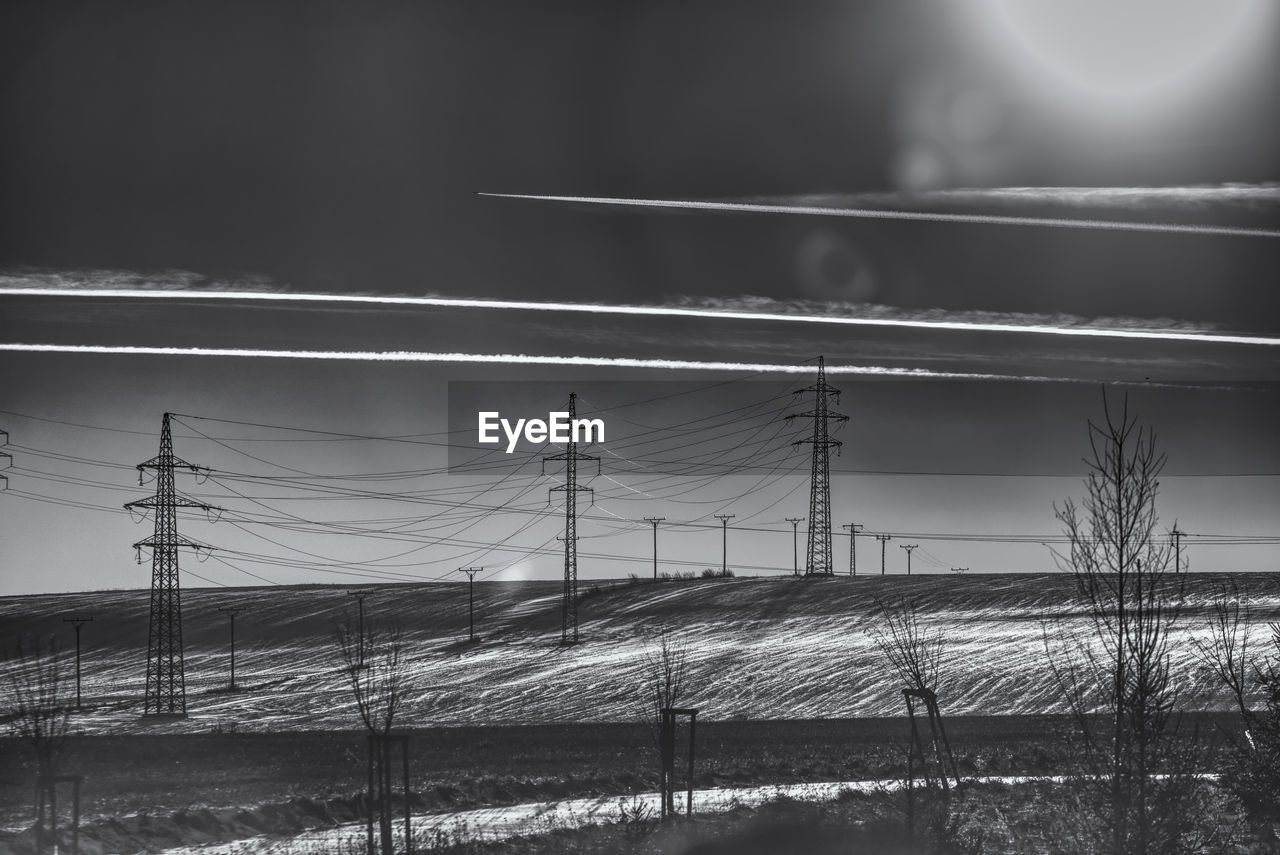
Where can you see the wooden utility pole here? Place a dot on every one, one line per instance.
(471, 598)
(724, 542)
(653, 521)
(795, 537)
(231, 611)
(853, 528)
(883, 538)
(909, 547)
(77, 621)
(359, 595)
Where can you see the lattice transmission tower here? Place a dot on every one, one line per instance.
(571, 456)
(818, 558)
(166, 692)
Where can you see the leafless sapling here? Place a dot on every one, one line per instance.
(374, 663)
(911, 651)
(1132, 592)
(663, 687)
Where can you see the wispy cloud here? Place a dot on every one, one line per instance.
(738, 309)
(1232, 198)
(896, 206)
(506, 359)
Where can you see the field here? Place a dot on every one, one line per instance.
(784, 672)
(758, 649)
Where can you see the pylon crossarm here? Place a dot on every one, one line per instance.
(175, 541)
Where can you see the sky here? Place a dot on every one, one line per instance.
(204, 206)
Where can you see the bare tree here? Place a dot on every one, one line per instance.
(662, 687)
(39, 715)
(1253, 774)
(664, 684)
(374, 664)
(1226, 651)
(1132, 592)
(1257, 781)
(911, 651)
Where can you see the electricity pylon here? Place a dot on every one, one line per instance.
(166, 692)
(818, 559)
(570, 488)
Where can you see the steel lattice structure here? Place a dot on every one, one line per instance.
(818, 558)
(166, 692)
(570, 488)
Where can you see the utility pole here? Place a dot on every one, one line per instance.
(854, 528)
(570, 488)
(6, 459)
(231, 612)
(471, 598)
(166, 691)
(77, 622)
(883, 538)
(909, 548)
(359, 595)
(1177, 548)
(818, 559)
(795, 529)
(654, 522)
(724, 542)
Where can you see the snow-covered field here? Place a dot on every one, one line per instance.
(758, 649)
(502, 823)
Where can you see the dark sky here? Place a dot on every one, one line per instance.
(337, 147)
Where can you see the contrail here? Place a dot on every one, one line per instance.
(506, 359)
(884, 214)
(647, 311)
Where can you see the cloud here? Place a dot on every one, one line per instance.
(502, 359)
(746, 309)
(897, 206)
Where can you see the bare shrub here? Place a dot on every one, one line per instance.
(39, 708)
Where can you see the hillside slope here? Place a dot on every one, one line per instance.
(758, 648)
